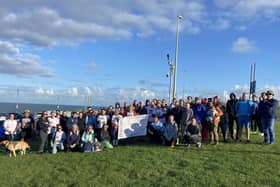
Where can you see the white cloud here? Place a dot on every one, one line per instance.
(73, 92)
(250, 9)
(49, 23)
(16, 63)
(243, 45)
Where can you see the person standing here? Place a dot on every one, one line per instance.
(231, 115)
(186, 118)
(244, 110)
(43, 127)
(101, 121)
(199, 110)
(63, 121)
(269, 118)
(71, 121)
(116, 118)
(261, 112)
(81, 123)
(27, 124)
(254, 121)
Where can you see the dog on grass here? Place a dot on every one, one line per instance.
(12, 147)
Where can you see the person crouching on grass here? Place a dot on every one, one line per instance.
(88, 140)
(170, 132)
(105, 137)
(193, 134)
(156, 129)
(73, 139)
(58, 140)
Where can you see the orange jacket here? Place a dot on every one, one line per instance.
(217, 117)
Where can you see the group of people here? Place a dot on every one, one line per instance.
(188, 122)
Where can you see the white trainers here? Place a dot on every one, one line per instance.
(198, 145)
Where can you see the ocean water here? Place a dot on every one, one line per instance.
(11, 107)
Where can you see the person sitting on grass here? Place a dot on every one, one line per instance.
(170, 132)
(58, 140)
(73, 139)
(88, 140)
(156, 129)
(105, 137)
(193, 134)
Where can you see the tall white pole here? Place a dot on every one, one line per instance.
(176, 57)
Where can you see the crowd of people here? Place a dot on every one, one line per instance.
(188, 122)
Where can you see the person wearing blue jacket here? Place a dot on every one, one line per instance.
(199, 110)
(244, 111)
(269, 117)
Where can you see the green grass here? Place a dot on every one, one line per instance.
(150, 165)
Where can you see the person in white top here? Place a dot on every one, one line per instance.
(59, 138)
(53, 122)
(101, 121)
(10, 127)
(115, 127)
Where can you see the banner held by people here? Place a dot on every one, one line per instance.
(133, 126)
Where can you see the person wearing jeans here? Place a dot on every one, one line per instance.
(269, 118)
(244, 110)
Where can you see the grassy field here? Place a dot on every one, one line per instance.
(142, 164)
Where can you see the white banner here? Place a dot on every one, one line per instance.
(133, 126)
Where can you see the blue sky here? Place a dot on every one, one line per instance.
(116, 50)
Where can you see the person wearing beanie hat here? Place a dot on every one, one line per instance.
(269, 117)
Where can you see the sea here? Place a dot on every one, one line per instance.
(12, 107)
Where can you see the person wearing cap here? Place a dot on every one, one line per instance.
(269, 117)
(26, 124)
(244, 110)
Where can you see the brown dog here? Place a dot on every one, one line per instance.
(14, 146)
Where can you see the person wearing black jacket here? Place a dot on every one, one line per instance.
(141, 109)
(63, 121)
(73, 140)
(43, 125)
(269, 117)
(231, 114)
(81, 123)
